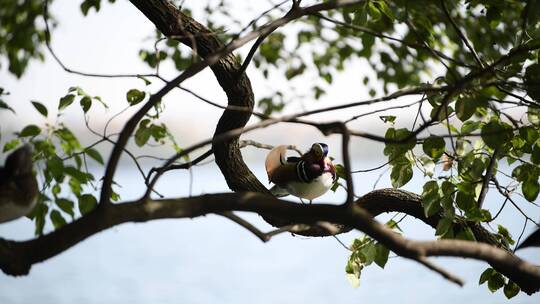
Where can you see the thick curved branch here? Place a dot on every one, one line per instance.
(16, 258)
(231, 77)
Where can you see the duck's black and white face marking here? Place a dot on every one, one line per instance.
(320, 150)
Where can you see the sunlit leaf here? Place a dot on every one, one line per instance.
(41, 108)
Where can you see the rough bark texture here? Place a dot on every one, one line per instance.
(172, 22)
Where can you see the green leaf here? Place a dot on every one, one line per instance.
(447, 203)
(443, 226)
(68, 141)
(496, 134)
(57, 219)
(95, 155)
(75, 186)
(397, 145)
(448, 188)
(428, 165)
(77, 90)
(511, 289)
(55, 167)
(465, 201)
(82, 177)
(466, 234)
(464, 109)
(533, 114)
(485, 276)
(529, 134)
(135, 96)
(369, 252)
(393, 225)
(530, 189)
(86, 103)
(373, 11)
(535, 155)
(470, 126)
(42, 109)
(381, 256)
(38, 215)
(383, 7)
(65, 101)
(401, 174)
(495, 282)
(505, 234)
(87, 203)
(468, 105)
(66, 206)
(532, 81)
(30, 131)
(12, 144)
(431, 198)
(158, 132)
(434, 146)
(388, 118)
(142, 135)
(478, 215)
(5, 106)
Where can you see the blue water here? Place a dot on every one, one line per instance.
(211, 260)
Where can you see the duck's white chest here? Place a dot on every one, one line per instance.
(10, 211)
(313, 189)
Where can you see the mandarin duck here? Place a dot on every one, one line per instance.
(18, 185)
(308, 176)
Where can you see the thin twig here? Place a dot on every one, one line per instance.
(462, 35)
(487, 178)
(371, 169)
(69, 70)
(447, 275)
(264, 237)
(498, 186)
(249, 142)
(521, 234)
(247, 225)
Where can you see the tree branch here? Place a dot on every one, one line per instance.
(16, 258)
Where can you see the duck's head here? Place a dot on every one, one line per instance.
(319, 151)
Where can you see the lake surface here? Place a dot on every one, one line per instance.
(212, 260)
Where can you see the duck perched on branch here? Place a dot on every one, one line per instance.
(18, 185)
(308, 176)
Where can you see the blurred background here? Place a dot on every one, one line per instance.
(210, 259)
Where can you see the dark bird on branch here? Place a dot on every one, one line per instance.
(18, 185)
(308, 176)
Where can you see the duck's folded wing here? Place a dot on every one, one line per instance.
(284, 174)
